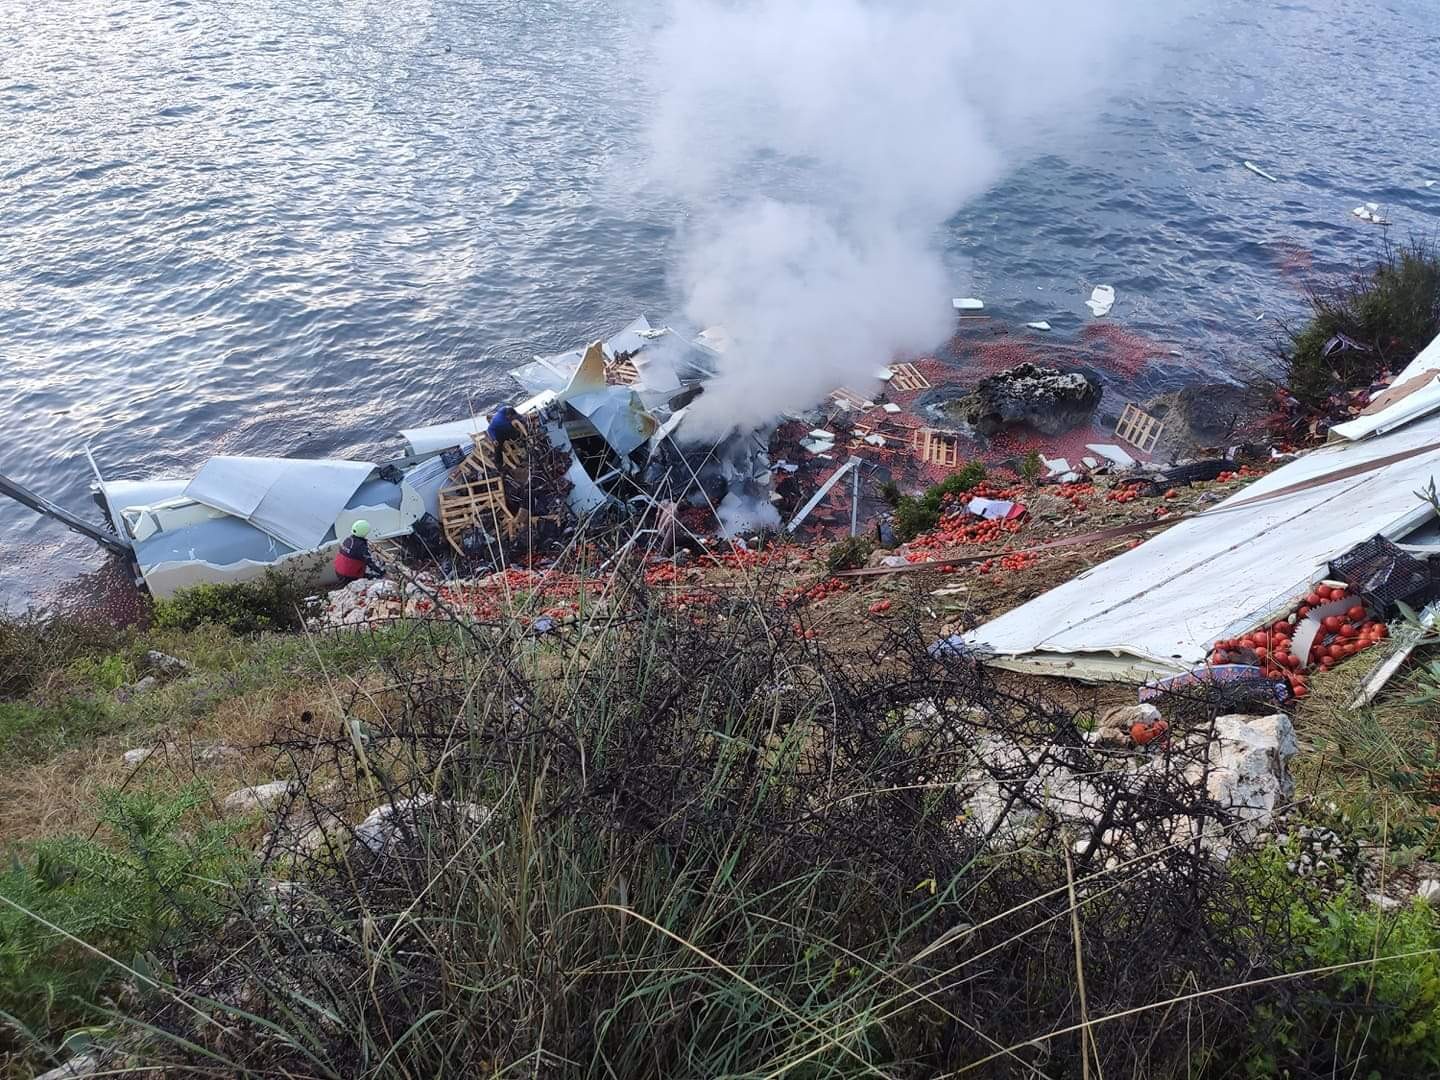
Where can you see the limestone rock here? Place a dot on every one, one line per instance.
(1428, 891)
(260, 797)
(1249, 766)
(385, 824)
(138, 756)
(167, 666)
(1046, 399)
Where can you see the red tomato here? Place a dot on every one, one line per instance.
(1304, 610)
(1382, 632)
(1314, 599)
(1327, 662)
(1331, 623)
(1347, 630)
(1356, 613)
(1263, 653)
(1299, 691)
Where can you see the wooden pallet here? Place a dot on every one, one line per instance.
(1139, 428)
(848, 399)
(475, 496)
(936, 447)
(622, 372)
(907, 377)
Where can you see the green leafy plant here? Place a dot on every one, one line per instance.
(72, 907)
(106, 673)
(1031, 467)
(274, 602)
(915, 516)
(849, 554)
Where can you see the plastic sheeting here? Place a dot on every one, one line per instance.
(292, 500)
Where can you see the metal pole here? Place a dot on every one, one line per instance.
(42, 505)
(855, 503)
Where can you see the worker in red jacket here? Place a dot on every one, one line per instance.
(354, 561)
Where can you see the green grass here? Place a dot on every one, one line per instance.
(1392, 309)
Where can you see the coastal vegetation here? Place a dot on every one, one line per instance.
(1373, 320)
(498, 853)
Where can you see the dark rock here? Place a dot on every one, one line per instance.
(1047, 399)
(1207, 417)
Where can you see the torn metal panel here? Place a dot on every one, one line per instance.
(588, 377)
(1424, 398)
(436, 437)
(618, 416)
(548, 372)
(293, 500)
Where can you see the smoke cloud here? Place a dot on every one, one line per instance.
(819, 145)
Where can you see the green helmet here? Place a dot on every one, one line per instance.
(361, 528)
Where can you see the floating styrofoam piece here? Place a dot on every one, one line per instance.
(968, 303)
(875, 440)
(884, 374)
(891, 407)
(1431, 183)
(1102, 299)
(1260, 172)
(1112, 453)
(1041, 325)
(1370, 212)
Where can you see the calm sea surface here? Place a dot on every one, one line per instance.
(292, 228)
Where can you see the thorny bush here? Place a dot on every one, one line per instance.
(693, 843)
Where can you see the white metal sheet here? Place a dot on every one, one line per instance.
(293, 500)
(433, 437)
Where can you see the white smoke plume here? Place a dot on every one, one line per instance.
(819, 145)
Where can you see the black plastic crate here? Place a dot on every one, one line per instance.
(1382, 573)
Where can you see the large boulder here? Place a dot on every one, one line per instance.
(1204, 419)
(1046, 399)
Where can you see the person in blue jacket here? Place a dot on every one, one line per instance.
(504, 426)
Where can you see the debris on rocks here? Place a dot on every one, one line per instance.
(258, 797)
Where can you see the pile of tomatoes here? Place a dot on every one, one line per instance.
(963, 530)
(1077, 495)
(815, 593)
(1018, 560)
(1124, 494)
(1270, 648)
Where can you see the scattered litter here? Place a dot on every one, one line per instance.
(1431, 183)
(1216, 675)
(1090, 462)
(1260, 172)
(1260, 317)
(1102, 299)
(891, 407)
(875, 440)
(1055, 466)
(885, 374)
(1407, 639)
(821, 433)
(968, 303)
(1370, 212)
(1041, 325)
(991, 509)
(1112, 453)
